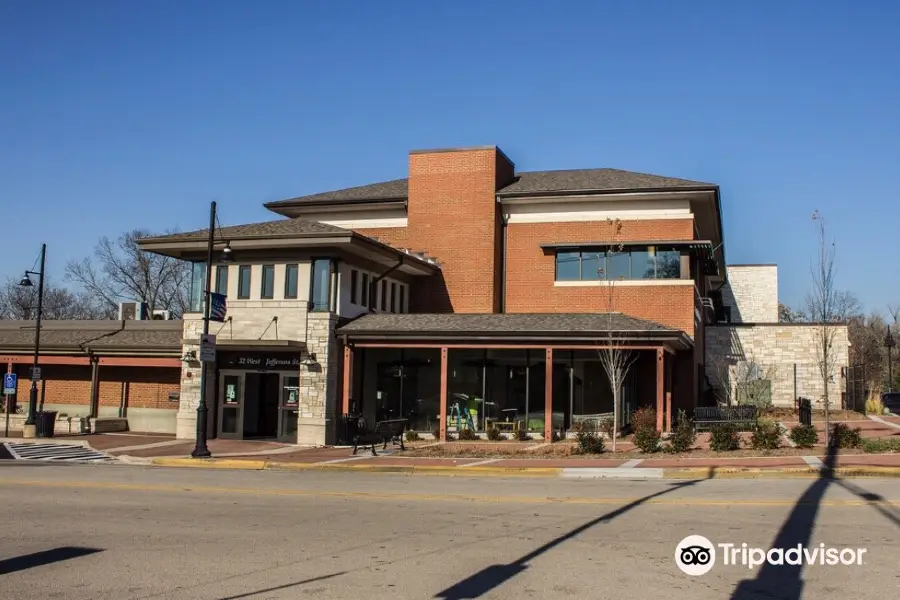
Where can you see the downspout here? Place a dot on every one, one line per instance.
(504, 241)
(373, 285)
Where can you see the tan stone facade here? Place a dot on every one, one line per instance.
(751, 293)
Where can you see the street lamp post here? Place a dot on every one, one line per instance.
(889, 343)
(26, 282)
(201, 450)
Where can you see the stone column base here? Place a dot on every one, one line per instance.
(29, 431)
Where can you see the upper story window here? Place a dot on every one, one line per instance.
(320, 292)
(633, 262)
(393, 297)
(198, 285)
(402, 298)
(290, 281)
(244, 282)
(364, 296)
(384, 286)
(354, 274)
(267, 289)
(222, 280)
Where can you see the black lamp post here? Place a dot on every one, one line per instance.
(201, 450)
(26, 282)
(889, 343)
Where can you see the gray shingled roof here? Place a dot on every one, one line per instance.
(537, 182)
(98, 335)
(280, 227)
(457, 323)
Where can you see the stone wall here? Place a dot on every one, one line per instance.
(752, 293)
(775, 349)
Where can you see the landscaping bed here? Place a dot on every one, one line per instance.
(790, 414)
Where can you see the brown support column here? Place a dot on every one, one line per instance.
(660, 385)
(443, 415)
(548, 396)
(670, 369)
(348, 364)
(94, 405)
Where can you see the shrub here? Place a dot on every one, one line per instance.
(646, 435)
(493, 434)
(724, 438)
(804, 436)
(413, 436)
(467, 435)
(879, 445)
(874, 405)
(766, 435)
(846, 437)
(521, 435)
(683, 436)
(588, 440)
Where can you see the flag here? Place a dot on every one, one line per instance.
(217, 307)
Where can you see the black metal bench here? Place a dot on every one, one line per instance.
(706, 417)
(384, 433)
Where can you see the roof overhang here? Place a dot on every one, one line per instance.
(301, 208)
(235, 344)
(347, 241)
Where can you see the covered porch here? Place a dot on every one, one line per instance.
(537, 374)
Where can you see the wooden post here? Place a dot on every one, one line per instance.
(660, 385)
(443, 414)
(669, 412)
(548, 396)
(348, 365)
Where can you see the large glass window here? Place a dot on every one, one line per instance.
(631, 262)
(320, 295)
(290, 281)
(244, 282)
(222, 280)
(198, 282)
(395, 383)
(267, 291)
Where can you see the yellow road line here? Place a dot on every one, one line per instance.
(426, 497)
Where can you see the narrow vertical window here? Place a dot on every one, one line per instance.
(384, 286)
(267, 289)
(365, 290)
(290, 281)
(222, 280)
(198, 281)
(320, 294)
(244, 282)
(354, 274)
(402, 307)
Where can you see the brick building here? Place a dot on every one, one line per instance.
(466, 295)
(123, 370)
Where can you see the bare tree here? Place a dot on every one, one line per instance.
(17, 302)
(788, 315)
(121, 271)
(825, 304)
(615, 357)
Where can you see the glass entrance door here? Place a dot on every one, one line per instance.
(288, 409)
(231, 406)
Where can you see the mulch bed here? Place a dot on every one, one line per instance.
(790, 414)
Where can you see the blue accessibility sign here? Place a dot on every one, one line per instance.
(9, 384)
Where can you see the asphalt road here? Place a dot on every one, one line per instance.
(127, 533)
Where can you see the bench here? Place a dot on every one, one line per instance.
(384, 432)
(705, 417)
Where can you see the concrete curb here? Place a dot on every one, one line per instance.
(545, 472)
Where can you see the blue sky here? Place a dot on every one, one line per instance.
(117, 115)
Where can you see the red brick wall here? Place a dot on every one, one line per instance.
(148, 387)
(531, 272)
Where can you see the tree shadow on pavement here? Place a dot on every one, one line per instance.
(493, 576)
(283, 587)
(783, 582)
(45, 557)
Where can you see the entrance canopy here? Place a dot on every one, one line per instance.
(529, 329)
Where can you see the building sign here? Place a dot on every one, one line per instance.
(261, 361)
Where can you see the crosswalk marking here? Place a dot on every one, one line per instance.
(57, 452)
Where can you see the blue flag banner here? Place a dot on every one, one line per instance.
(217, 308)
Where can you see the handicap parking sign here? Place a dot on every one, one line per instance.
(9, 384)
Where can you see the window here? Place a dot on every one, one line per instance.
(393, 297)
(222, 280)
(320, 294)
(244, 282)
(365, 290)
(290, 281)
(383, 285)
(402, 298)
(267, 291)
(353, 275)
(198, 281)
(634, 262)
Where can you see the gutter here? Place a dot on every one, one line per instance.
(373, 284)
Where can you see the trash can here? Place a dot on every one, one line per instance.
(46, 423)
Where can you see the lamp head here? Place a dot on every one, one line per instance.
(26, 281)
(227, 254)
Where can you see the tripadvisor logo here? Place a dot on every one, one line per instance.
(695, 555)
